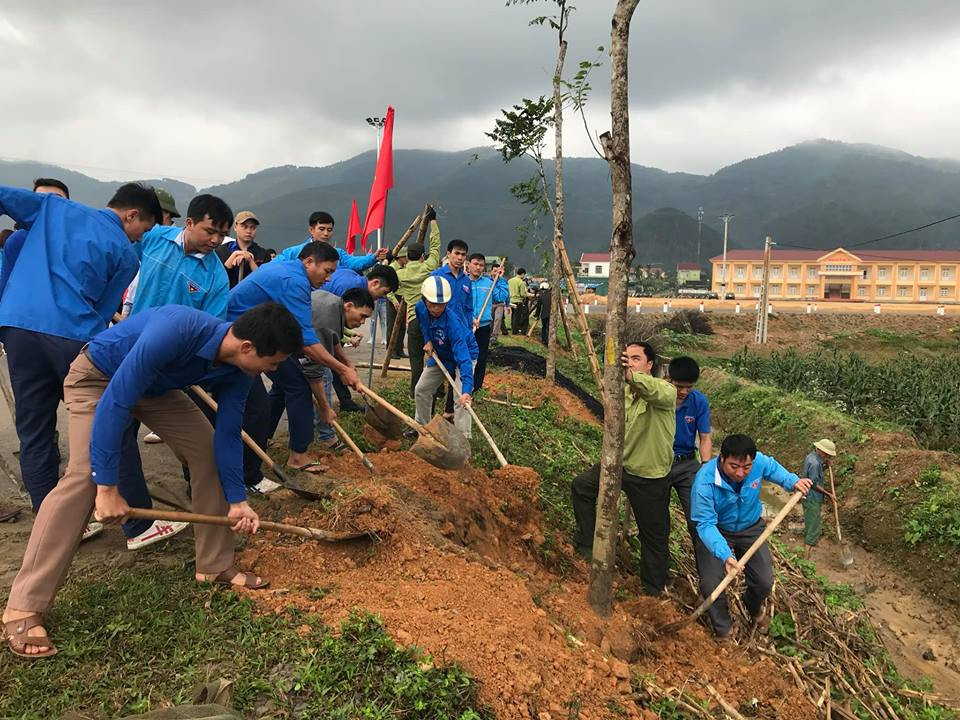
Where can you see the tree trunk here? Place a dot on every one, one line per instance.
(557, 211)
(616, 147)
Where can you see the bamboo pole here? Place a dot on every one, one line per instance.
(394, 333)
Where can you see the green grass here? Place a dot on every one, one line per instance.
(134, 641)
(936, 515)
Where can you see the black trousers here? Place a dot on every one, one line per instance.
(681, 479)
(520, 318)
(545, 330)
(483, 344)
(758, 574)
(650, 500)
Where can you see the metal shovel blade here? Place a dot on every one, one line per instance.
(846, 555)
(384, 422)
(446, 447)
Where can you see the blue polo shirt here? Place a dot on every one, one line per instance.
(72, 269)
(450, 340)
(344, 279)
(154, 352)
(461, 301)
(359, 263)
(282, 281)
(693, 416)
(9, 254)
(168, 276)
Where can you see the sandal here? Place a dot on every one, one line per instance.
(314, 468)
(15, 633)
(250, 580)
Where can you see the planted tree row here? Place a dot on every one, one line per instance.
(917, 393)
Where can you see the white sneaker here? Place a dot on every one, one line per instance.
(266, 486)
(160, 530)
(152, 438)
(91, 530)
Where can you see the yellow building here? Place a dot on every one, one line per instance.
(880, 276)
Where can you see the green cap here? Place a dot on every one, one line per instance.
(167, 202)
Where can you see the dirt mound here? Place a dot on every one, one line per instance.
(457, 572)
(530, 390)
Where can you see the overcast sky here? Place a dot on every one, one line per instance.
(209, 91)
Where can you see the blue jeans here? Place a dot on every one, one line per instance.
(132, 484)
(325, 432)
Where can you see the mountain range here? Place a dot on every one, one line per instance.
(817, 194)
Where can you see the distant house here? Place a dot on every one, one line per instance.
(595, 265)
(688, 272)
(651, 270)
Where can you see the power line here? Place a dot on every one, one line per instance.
(885, 237)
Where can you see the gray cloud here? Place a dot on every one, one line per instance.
(208, 91)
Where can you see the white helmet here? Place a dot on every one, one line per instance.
(544, 285)
(435, 289)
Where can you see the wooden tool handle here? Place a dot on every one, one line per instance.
(352, 445)
(486, 300)
(456, 386)
(196, 518)
(406, 235)
(205, 396)
(396, 411)
(836, 510)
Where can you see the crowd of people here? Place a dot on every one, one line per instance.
(126, 317)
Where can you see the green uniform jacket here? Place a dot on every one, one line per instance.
(518, 289)
(651, 421)
(416, 271)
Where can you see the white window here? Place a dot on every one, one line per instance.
(598, 269)
(775, 271)
(903, 291)
(775, 290)
(923, 293)
(740, 289)
(881, 291)
(758, 272)
(756, 291)
(839, 268)
(812, 273)
(861, 292)
(720, 270)
(794, 272)
(924, 273)
(793, 289)
(741, 271)
(946, 273)
(903, 274)
(944, 292)
(811, 289)
(883, 273)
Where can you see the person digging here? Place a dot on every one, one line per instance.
(728, 513)
(138, 368)
(813, 465)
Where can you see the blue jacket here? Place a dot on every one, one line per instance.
(73, 267)
(461, 302)
(151, 353)
(450, 338)
(9, 254)
(281, 281)
(717, 506)
(351, 262)
(344, 279)
(170, 277)
(480, 288)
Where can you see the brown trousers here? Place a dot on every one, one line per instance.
(66, 510)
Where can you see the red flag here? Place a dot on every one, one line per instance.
(354, 228)
(382, 181)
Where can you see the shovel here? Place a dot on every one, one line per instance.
(223, 521)
(440, 443)
(705, 605)
(846, 554)
(353, 446)
(267, 460)
(456, 386)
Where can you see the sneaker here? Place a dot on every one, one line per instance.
(411, 434)
(265, 486)
(152, 438)
(160, 530)
(91, 530)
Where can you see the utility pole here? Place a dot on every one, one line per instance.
(699, 231)
(761, 336)
(726, 217)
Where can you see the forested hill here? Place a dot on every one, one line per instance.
(816, 194)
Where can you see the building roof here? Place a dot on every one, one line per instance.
(595, 257)
(790, 255)
(694, 266)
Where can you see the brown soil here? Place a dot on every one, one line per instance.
(457, 572)
(529, 390)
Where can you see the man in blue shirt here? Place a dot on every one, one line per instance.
(727, 512)
(692, 433)
(444, 332)
(461, 301)
(178, 266)
(379, 282)
(824, 450)
(290, 283)
(320, 227)
(483, 316)
(138, 368)
(66, 284)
